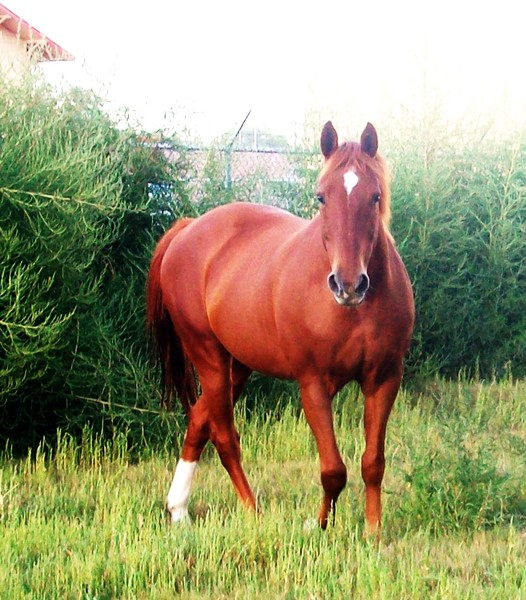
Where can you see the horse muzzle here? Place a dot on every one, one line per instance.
(348, 294)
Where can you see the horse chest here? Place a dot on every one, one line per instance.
(344, 341)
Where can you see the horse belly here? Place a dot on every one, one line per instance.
(242, 320)
(257, 351)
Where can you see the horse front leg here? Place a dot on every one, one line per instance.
(318, 411)
(379, 400)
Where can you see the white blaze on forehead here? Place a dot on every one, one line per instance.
(350, 179)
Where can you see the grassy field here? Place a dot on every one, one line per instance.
(87, 521)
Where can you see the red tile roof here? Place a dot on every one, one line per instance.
(48, 49)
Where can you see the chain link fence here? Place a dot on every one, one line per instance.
(282, 178)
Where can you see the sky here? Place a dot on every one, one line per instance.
(201, 65)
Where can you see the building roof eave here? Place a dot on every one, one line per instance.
(39, 46)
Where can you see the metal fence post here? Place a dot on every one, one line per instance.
(228, 168)
(228, 154)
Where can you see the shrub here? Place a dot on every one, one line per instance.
(80, 204)
(459, 217)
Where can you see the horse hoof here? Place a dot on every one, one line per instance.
(179, 516)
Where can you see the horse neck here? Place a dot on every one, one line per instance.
(380, 263)
(311, 238)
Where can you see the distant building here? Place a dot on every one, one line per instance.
(21, 45)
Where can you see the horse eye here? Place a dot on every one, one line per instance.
(320, 198)
(376, 198)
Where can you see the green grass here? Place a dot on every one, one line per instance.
(86, 520)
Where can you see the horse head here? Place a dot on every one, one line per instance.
(354, 207)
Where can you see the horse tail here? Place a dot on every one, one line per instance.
(177, 372)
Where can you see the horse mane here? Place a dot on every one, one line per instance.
(349, 155)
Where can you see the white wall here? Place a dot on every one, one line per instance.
(14, 59)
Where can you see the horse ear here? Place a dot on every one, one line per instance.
(369, 140)
(329, 139)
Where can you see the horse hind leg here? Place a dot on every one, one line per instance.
(223, 434)
(195, 439)
(212, 417)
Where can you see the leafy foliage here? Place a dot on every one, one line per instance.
(78, 214)
(83, 201)
(460, 222)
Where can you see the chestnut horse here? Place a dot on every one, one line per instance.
(248, 287)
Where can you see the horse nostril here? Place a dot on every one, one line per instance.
(343, 290)
(363, 284)
(333, 284)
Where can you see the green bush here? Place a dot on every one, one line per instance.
(459, 221)
(81, 203)
(459, 217)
